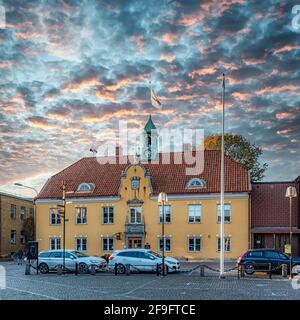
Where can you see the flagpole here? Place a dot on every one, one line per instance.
(222, 246)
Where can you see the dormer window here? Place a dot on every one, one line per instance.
(196, 183)
(85, 187)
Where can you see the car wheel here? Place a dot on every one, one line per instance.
(83, 268)
(43, 268)
(249, 268)
(121, 268)
(296, 269)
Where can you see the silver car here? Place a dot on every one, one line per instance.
(142, 260)
(51, 259)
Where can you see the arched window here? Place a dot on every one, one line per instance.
(85, 187)
(196, 183)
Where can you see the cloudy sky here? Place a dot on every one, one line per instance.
(70, 70)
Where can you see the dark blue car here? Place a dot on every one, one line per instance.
(259, 260)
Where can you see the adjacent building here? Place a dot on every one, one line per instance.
(114, 205)
(270, 216)
(13, 213)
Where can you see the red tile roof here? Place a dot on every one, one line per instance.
(170, 178)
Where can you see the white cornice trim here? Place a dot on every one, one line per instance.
(76, 200)
(242, 195)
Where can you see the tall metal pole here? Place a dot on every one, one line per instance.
(163, 236)
(222, 247)
(64, 223)
(291, 240)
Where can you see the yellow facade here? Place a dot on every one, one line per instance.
(178, 231)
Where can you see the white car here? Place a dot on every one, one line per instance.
(142, 260)
(51, 259)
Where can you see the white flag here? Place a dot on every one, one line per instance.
(154, 100)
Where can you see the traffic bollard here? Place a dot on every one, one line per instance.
(27, 269)
(93, 270)
(157, 269)
(284, 270)
(242, 270)
(202, 271)
(59, 270)
(127, 269)
(116, 269)
(76, 269)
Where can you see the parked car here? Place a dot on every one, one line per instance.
(51, 259)
(262, 257)
(141, 259)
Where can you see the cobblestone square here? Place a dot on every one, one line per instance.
(107, 286)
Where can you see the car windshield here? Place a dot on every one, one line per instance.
(79, 254)
(155, 254)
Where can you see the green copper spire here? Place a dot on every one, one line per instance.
(149, 126)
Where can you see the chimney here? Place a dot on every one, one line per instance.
(118, 151)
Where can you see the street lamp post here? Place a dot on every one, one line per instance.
(163, 198)
(291, 192)
(62, 213)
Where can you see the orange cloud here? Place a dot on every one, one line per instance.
(284, 131)
(286, 48)
(83, 85)
(106, 95)
(284, 115)
(6, 64)
(201, 72)
(271, 90)
(167, 57)
(168, 38)
(139, 41)
(241, 96)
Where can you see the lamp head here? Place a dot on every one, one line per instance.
(162, 197)
(291, 192)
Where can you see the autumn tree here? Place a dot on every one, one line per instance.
(28, 229)
(239, 149)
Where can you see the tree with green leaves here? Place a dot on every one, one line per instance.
(240, 150)
(28, 229)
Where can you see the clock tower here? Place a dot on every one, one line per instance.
(150, 141)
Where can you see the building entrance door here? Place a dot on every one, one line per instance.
(134, 243)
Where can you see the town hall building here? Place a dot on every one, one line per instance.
(112, 206)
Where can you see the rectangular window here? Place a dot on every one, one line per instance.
(23, 213)
(55, 244)
(194, 244)
(22, 237)
(13, 211)
(227, 244)
(13, 236)
(81, 215)
(81, 244)
(55, 217)
(167, 244)
(107, 215)
(31, 212)
(227, 213)
(194, 213)
(167, 214)
(135, 215)
(108, 244)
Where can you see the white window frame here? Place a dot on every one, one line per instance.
(84, 187)
(200, 215)
(23, 213)
(219, 213)
(80, 247)
(110, 214)
(57, 243)
(13, 240)
(196, 183)
(81, 215)
(107, 239)
(194, 243)
(165, 238)
(226, 238)
(160, 213)
(57, 219)
(13, 213)
(136, 208)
